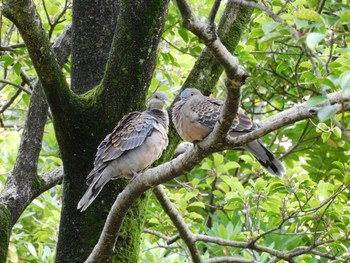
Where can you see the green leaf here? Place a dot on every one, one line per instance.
(345, 17)
(17, 67)
(218, 159)
(347, 178)
(269, 27)
(327, 112)
(308, 14)
(7, 60)
(232, 165)
(32, 250)
(337, 132)
(222, 231)
(322, 127)
(260, 184)
(206, 166)
(195, 181)
(325, 136)
(218, 193)
(344, 83)
(184, 34)
(306, 64)
(339, 164)
(282, 66)
(313, 39)
(197, 204)
(315, 101)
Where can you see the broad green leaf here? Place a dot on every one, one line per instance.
(337, 132)
(260, 184)
(206, 166)
(218, 159)
(197, 204)
(184, 34)
(322, 127)
(218, 193)
(339, 164)
(313, 39)
(347, 178)
(315, 101)
(281, 67)
(344, 83)
(312, 3)
(195, 181)
(325, 136)
(32, 250)
(222, 231)
(269, 27)
(8, 60)
(209, 180)
(232, 165)
(345, 17)
(306, 64)
(308, 14)
(327, 112)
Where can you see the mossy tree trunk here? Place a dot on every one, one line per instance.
(118, 44)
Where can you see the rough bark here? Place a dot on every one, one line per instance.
(124, 86)
(94, 22)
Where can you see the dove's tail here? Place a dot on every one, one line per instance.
(265, 157)
(94, 189)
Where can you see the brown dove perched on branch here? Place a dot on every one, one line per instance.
(195, 115)
(136, 142)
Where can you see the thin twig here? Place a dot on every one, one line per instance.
(22, 88)
(214, 10)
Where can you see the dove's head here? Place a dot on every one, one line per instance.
(157, 101)
(187, 93)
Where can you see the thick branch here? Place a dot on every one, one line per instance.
(206, 32)
(133, 54)
(50, 179)
(184, 163)
(24, 15)
(286, 117)
(19, 190)
(207, 70)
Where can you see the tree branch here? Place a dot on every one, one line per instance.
(184, 163)
(179, 223)
(50, 179)
(212, 143)
(19, 190)
(20, 87)
(24, 15)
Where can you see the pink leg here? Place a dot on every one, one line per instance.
(134, 175)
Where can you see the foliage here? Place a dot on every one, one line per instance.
(228, 195)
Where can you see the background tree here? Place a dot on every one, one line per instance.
(296, 54)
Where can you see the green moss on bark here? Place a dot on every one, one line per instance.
(4, 232)
(128, 244)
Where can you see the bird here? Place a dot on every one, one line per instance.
(194, 117)
(137, 141)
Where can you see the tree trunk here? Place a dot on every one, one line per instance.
(123, 88)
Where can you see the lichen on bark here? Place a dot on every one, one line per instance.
(4, 232)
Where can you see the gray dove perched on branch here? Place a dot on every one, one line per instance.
(195, 115)
(136, 142)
